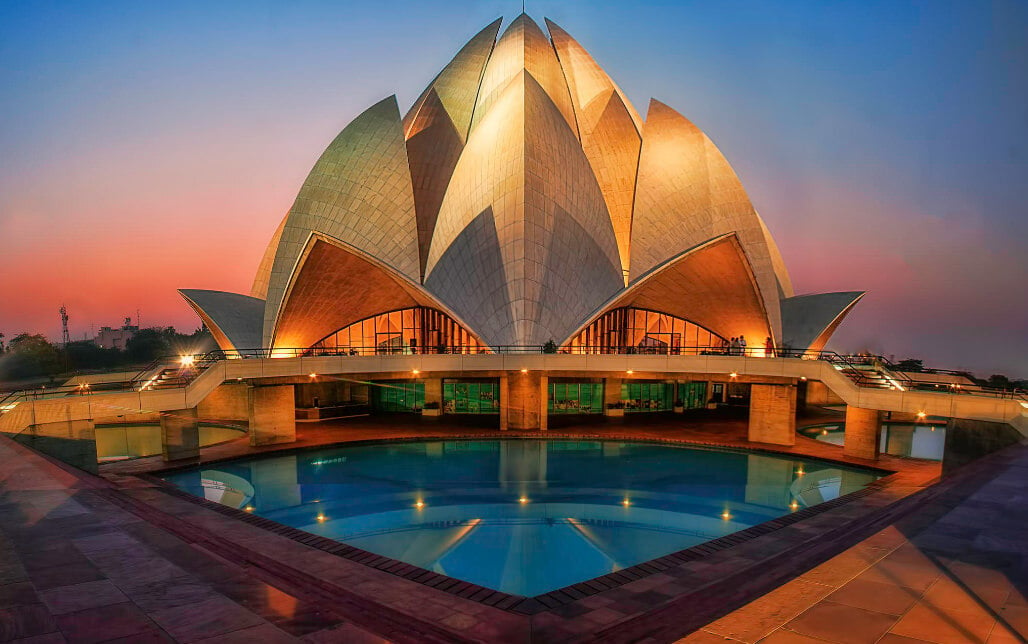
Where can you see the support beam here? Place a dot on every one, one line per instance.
(434, 391)
(180, 434)
(272, 415)
(862, 433)
(523, 400)
(773, 414)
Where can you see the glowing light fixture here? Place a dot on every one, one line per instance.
(626, 502)
(794, 505)
(524, 371)
(415, 371)
(726, 515)
(523, 499)
(186, 361)
(799, 471)
(922, 415)
(249, 508)
(420, 504)
(312, 376)
(733, 375)
(803, 378)
(321, 518)
(629, 372)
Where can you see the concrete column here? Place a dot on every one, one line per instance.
(180, 434)
(504, 402)
(773, 414)
(523, 400)
(434, 391)
(611, 391)
(272, 415)
(862, 432)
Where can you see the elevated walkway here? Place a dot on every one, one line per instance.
(880, 392)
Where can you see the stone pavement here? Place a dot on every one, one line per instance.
(957, 571)
(75, 568)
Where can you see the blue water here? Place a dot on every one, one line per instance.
(522, 516)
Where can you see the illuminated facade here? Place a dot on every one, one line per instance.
(521, 200)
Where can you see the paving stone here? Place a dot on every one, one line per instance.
(25, 621)
(70, 599)
(930, 623)
(841, 623)
(105, 623)
(875, 596)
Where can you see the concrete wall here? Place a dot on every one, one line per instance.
(818, 393)
(773, 414)
(967, 440)
(227, 402)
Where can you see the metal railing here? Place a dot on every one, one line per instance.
(865, 370)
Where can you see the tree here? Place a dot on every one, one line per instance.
(149, 344)
(910, 364)
(84, 354)
(30, 355)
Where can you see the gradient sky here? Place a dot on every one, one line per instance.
(147, 146)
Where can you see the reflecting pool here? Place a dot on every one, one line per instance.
(522, 516)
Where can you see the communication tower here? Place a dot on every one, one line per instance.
(65, 337)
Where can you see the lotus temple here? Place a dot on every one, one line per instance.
(521, 363)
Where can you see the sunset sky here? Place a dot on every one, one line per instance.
(150, 146)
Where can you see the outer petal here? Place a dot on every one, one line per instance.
(711, 285)
(260, 280)
(586, 80)
(360, 193)
(235, 320)
(809, 320)
(456, 87)
(524, 163)
(336, 285)
(686, 194)
(523, 47)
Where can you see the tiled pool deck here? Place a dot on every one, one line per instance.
(91, 559)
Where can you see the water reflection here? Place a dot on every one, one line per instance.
(909, 440)
(522, 516)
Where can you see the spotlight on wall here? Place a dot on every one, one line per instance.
(312, 376)
(524, 371)
(523, 500)
(922, 415)
(733, 375)
(415, 371)
(803, 378)
(629, 372)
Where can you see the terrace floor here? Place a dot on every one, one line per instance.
(92, 559)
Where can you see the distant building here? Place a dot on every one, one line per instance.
(111, 338)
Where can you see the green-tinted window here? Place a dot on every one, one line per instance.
(647, 396)
(575, 398)
(471, 397)
(397, 396)
(693, 394)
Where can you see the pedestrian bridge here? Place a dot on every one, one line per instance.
(24, 409)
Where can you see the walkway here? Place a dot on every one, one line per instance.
(75, 568)
(956, 572)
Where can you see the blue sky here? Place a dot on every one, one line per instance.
(885, 143)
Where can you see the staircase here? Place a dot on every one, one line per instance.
(169, 378)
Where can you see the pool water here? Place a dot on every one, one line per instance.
(522, 516)
(927, 441)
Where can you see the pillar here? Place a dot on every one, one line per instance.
(773, 414)
(434, 391)
(272, 415)
(180, 434)
(862, 432)
(612, 396)
(523, 400)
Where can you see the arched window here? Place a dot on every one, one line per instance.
(631, 330)
(414, 330)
